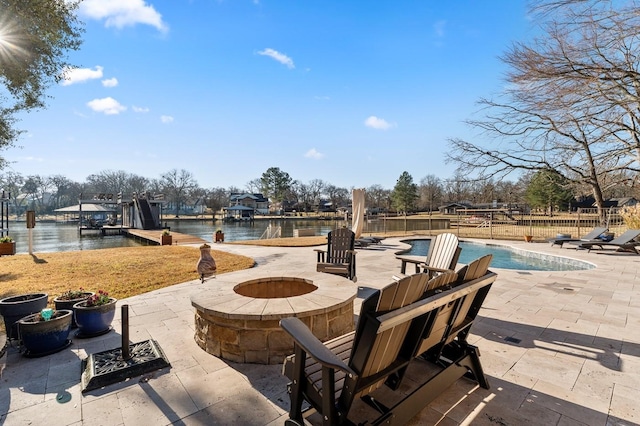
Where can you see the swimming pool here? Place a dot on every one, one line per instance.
(505, 257)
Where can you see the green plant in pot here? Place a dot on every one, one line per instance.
(166, 239)
(69, 298)
(7, 246)
(95, 314)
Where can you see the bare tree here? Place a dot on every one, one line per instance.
(572, 101)
(377, 197)
(254, 186)
(178, 186)
(12, 182)
(430, 190)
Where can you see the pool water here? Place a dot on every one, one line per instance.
(505, 257)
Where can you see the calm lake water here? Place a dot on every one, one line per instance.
(49, 237)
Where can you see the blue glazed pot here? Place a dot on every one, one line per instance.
(15, 307)
(45, 337)
(94, 320)
(68, 304)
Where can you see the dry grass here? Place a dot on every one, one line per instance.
(122, 272)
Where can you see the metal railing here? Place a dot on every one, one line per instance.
(271, 232)
(502, 224)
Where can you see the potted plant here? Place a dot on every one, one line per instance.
(95, 314)
(69, 298)
(7, 246)
(165, 238)
(45, 332)
(15, 307)
(219, 236)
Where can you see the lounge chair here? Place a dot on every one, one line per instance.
(624, 243)
(442, 256)
(340, 256)
(590, 237)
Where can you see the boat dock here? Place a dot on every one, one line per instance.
(154, 236)
(103, 229)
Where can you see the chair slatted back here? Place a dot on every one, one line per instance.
(452, 319)
(371, 358)
(340, 244)
(387, 345)
(442, 251)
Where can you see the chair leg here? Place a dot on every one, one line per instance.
(295, 387)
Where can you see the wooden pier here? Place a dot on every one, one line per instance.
(154, 236)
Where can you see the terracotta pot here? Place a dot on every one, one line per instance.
(528, 238)
(206, 265)
(7, 249)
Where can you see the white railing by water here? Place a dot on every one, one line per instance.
(272, 232)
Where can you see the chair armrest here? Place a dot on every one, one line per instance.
(405, 260)
(431, 268)
(321, 254)
(312, 346)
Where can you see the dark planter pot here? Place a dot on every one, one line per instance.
(68, 305)
(41, 338)
(15, 307)
(94, 320)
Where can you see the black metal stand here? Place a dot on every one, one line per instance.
(130, 360)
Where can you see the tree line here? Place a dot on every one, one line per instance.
(45, 194)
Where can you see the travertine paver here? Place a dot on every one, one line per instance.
(560, 348)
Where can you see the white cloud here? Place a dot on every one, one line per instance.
(280, 57)
(166, 119)
(439, 28)
(108, 106)
(110, 82)
(139, 109)
(123, 13)
(378, 123)
(80, 75)
(34, 159)
(312, 153)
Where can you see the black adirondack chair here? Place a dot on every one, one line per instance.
(340, 256)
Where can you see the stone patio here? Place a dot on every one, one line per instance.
(559, 348)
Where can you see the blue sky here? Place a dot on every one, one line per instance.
(350, 92)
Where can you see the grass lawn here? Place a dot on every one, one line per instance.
(122, 272)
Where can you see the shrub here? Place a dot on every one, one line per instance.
(631, 216)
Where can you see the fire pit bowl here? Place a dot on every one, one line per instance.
(238, 320)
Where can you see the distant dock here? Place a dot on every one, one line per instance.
(154, 236)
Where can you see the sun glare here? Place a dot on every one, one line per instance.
(7, 45)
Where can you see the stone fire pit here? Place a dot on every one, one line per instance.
(238, 319)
